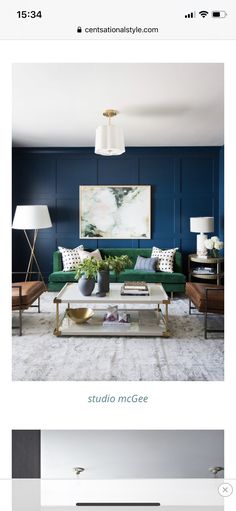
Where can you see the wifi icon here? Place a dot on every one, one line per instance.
(203, 14)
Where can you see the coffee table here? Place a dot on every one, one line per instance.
(147, 317)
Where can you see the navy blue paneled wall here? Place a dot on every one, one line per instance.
(221, 194)
(184, 181)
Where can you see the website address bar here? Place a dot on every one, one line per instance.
(118, 30)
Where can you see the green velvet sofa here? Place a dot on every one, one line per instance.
(172, 282)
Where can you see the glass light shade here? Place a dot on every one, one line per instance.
(202, 224)
(109, 140)
(31, 217)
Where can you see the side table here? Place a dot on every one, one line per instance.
(198, 268)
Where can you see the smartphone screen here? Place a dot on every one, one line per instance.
(117, 212)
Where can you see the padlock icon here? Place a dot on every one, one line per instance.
(79, 30)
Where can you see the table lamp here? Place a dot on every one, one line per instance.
(32, 218)
(202, 225)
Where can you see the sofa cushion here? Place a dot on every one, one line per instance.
(162, 277)
(62, 276)
(71, 257)
(146, 263)
(165, 259)
(84, 254)
(69, 276)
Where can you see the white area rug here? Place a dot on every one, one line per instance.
(185, 356)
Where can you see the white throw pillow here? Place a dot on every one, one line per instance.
(85, 255)
(165, 259)
(70, 257)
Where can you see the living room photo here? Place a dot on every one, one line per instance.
(118, 222)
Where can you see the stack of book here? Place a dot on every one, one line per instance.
(134, 289)
(204, 270)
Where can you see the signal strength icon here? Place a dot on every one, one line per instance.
(190, 15)
(203, 14)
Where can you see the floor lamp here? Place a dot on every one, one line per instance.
(32, 218)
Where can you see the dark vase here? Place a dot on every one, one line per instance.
(86, 286)
(213, 253)
(103, 281)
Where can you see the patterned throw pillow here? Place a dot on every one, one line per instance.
(84, 255)
(70, 257)
(165, 259)
(146, 263)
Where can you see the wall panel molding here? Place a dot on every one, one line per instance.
(184, 180)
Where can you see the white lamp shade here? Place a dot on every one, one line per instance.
(109, 140)
(31, 217)
(202, 224)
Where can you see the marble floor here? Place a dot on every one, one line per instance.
(185, 356)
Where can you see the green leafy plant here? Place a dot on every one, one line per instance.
(90, 266)
(103, 264)
(87, 268)
(119, 263)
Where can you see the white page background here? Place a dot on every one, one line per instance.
(172, 405)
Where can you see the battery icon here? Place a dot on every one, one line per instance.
(219, 14)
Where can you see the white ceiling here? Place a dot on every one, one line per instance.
(130, 454)
(60, 105)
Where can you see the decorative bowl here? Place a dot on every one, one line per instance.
(80, 315)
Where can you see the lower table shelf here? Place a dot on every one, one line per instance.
(210, 276)
(144, 323)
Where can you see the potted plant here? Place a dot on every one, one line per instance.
(103, 278)
(113, 263)
(90, 268)
(86, 273)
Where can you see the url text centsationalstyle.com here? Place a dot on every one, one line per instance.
(120, 30)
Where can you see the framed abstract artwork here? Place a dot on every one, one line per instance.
(115, 211)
